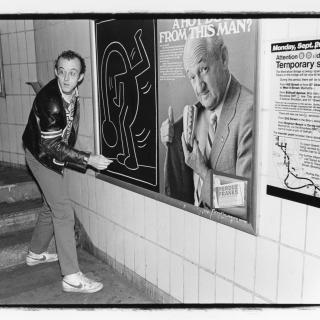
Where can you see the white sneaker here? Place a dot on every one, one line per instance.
(33, 259)
(78, 282)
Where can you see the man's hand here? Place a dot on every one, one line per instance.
(99, 162)
(166, 129)
(195, 159)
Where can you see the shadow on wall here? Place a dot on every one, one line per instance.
(36, 86)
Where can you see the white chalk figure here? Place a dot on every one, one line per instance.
(121, 96)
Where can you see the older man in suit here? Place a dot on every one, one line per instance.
(225, 113)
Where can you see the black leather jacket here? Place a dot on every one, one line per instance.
(43, 133)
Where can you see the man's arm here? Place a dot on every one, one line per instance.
(51, 123)
(245, 144)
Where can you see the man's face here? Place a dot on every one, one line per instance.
(68, 74)
(208, 79)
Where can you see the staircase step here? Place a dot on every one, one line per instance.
(19, 191)
(14, 248)
(17, 184)
(19, 216)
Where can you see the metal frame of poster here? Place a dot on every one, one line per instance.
(295, 121)
(2, 87)
(232, 196)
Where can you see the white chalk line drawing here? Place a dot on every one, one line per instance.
(139, 134)
(118, 85)
(145, 138)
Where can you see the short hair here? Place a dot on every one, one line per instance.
(202, 46)
(69, 55)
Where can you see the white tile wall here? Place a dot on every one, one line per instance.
(190, 282)
(111, 239)
(31, 52)
(128, 215)
(138, 213)
(6, 141)
(163, 220)
(8, 79)
(29, 24)
(150, 219)
(245, 260)
(85, 220)
(13, 44)
(20, 25)
(114, 200)
(108, 203)
(129, 250)
(151, 262)
(206, 287)
(3, 110)
(84, 191)
(24, 77)
(102, 234)
(290, 276)
(32, 73)
(270, 210)
(207, 245)
(313, 234)
(225, 251)
(267, 269)
(298, 28)
(139, 257)
(120, 252)
(92, 193)
(15, 72)
(13, 139)
(163, 269)
(93, 227)
(242, 296)
(99, 196)
(311, 281)
(293, 224)
(10, 109)
(224, 291)
(177, 230)
(176, 277)
(11, 25)
(22, 47)
(5, 49)
(3, 26)
(191, 237)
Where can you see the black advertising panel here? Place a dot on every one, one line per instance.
(126, 71)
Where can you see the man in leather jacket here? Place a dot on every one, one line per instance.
(49, 140)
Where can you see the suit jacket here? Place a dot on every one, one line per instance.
(231, 150)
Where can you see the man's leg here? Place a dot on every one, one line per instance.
(54, 189)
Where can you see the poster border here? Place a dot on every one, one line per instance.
(248, 225)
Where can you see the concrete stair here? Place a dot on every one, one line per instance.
(40, 285)
(20, 204)
(16, 184)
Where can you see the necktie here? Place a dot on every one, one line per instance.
(211, 132)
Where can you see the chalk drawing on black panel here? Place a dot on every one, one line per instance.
(120, 85)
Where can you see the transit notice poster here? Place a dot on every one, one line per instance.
(294, 167)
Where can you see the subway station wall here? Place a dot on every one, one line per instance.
(190, 258)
